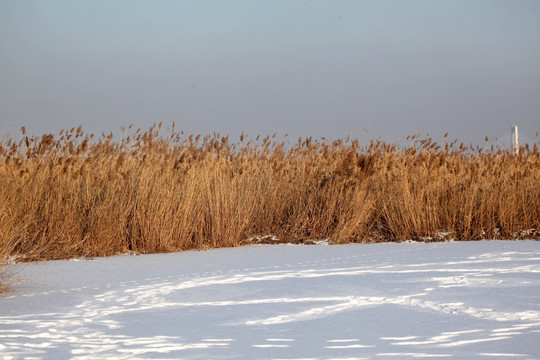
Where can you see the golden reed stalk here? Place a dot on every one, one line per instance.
(70, 195)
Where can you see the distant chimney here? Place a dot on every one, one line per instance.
(515, 140)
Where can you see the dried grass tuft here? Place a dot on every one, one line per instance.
(72, 195)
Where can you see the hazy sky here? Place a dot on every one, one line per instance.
(307, 68)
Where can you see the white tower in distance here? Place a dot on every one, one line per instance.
(515, 139)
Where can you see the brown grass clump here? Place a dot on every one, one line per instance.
(3, 286)
(70, 195)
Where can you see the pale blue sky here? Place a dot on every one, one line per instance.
(307, 68)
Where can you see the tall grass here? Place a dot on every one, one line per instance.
(71, 194)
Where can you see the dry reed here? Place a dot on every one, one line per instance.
(70, 195)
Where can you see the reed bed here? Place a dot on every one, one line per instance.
(72, 194)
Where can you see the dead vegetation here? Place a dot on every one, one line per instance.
(71, 195)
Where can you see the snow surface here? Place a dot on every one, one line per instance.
(461, 300)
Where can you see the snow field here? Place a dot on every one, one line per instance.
(461, 300)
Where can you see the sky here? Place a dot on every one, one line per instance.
(321, 68)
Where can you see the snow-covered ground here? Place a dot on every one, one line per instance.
(461, 300)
